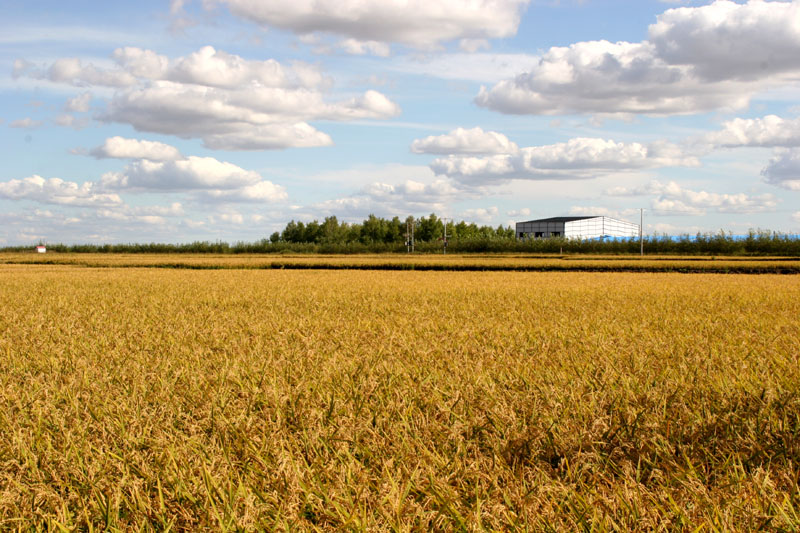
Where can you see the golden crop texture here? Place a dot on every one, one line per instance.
(154, 399)
(463, 262)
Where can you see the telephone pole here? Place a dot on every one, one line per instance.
(444, 249)
(641, 231)
(411, 223)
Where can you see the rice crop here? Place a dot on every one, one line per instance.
(320, 400)
(470, 262)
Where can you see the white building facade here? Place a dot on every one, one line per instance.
(598, 227)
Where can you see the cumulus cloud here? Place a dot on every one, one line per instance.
(300, 135)
(479, 214)
(175, 209)
(125, 223)
(696, 59)
(122, 148)
(71, 121)
(72, 71)
(409, 196)
(769, 131)
(674, 199)
(360, 48)
(783, 169)
(191, 173)
(473, 45)
(465, 141)
(584, 211)
(261, 192)
(524, 212)
(89, 225)
(26, 122)
(253, 118)
(228, 218)
(79, 104)
(217, 68)
(478, 67)
(417, 23)
(151, 214)
(727, 40)
(578, 158)
(57, 192)
(229, 102)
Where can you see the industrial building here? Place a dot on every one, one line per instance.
(596, 227)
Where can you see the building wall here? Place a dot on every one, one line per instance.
(587, 228)
(593, 228)
(539, 230)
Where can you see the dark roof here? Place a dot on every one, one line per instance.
(557, 219)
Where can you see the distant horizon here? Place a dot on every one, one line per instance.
(185, 121)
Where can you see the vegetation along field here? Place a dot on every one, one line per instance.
(142, 398)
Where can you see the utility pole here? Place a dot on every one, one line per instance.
(411, 223)
(444, 250)
(641, 231)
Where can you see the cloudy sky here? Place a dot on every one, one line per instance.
(173, 121)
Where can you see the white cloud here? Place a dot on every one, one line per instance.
(769, 131)
(524, 212)
(243, 119)
(176, 6)
(192, 173)
(72, 71)
(473, 45)
(385, 199)
(151, 214)
(622, 214)
(726, 40)
(299, 135)
(80, 103)
(230, 218)
(70, 121)
(58, 192)
(360, 48)
(175, 209)
(665, 228)
(122, 148)
(261, 192)
(479, 67)
(673, 199)
(465, 141)
(783, 169)
(483, 215)
(229, 102)
(416, 23)
(142, 63)
(696, 59)
(117, 223)
(217, 68)
(26, 122)
(578, 158)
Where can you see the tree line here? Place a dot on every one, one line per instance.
(377, 230)
(381, 235)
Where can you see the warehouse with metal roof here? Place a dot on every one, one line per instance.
(586, 227)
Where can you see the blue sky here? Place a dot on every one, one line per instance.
(224, 119)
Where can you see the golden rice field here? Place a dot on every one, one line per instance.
(468, 262)
(319, 400)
